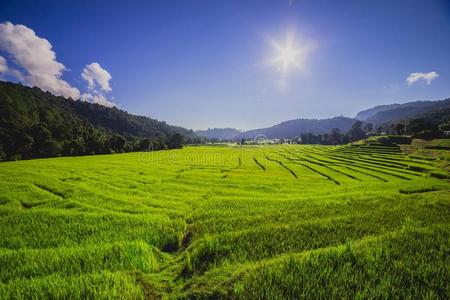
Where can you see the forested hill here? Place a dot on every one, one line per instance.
(34, 123)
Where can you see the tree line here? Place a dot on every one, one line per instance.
(432, 125)
(357, 132)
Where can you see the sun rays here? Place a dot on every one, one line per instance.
(290, 54)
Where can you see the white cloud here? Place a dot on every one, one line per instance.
(427, 77)
(36, 57)
(98, 84)
(96, 97)
(95, 75)
(3, 65)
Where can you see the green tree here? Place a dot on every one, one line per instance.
(356, 132)
(336, 136)
(368, 127)
(117, 143)
(43, 141)
(400, 128)
(145, 145)
(445, 126)
(176, 141)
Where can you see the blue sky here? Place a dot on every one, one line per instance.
(203, 64)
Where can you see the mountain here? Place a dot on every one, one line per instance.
(377, 115)
(34, 123)
(294, 128)
(395, 112)
(366, 114)
(218, 133)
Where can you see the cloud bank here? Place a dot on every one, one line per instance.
(35, 55)
(427, 77)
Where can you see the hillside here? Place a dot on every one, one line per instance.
(294, 128)
(365, 114)
(34, 123)
(218, 133)
(395, 112)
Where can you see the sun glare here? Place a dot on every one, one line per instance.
(288, 57)
(289, 54)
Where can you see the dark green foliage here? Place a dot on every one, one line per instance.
(35, 124)
(357, 132)
(445, 126)
(175, 141)
(426, 126)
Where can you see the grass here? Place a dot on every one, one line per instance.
(368, 220)
(435, 150)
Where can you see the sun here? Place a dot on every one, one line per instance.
(290, 54)
(287, 55)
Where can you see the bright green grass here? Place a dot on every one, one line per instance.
(275, 222)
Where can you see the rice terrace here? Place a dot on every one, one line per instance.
(361, 220)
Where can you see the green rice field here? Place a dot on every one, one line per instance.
(251, 222)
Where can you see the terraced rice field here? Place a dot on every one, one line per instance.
(274, 222)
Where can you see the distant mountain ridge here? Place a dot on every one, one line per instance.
(366, 114)
(294, 128)
(396, 112)
(219, 133)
